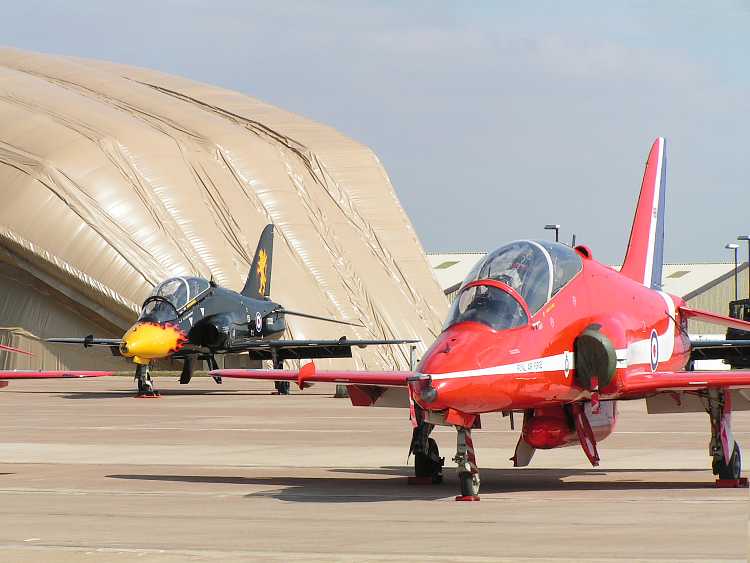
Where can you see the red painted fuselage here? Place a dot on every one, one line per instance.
(476, 369)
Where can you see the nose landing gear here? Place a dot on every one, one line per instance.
(468, 472)
(145, 383)
(428, 465)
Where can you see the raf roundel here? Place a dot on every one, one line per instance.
(566, 359)
(258, 322)
(654, 350)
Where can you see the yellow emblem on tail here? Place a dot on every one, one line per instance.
(261, 269)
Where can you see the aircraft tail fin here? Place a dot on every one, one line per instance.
(258, 284)
(645, 254)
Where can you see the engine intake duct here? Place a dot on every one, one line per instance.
(595, 359)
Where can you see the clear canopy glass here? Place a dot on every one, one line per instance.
(487, 305)
(178, 291)
(537, 270)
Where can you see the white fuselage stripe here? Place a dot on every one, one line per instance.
(537, 365)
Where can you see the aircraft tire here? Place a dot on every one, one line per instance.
(429, 464)
(732, 470)
(282, 387)
(469, 486)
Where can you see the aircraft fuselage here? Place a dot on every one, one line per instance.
(475, 369)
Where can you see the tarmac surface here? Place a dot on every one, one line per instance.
(230, 472)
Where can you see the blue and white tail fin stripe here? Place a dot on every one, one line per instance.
(645, 254)
(657, 239)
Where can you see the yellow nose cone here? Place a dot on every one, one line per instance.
(151, 341)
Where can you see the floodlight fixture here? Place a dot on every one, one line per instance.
(747, 238)
(735, 247)
(553, 227)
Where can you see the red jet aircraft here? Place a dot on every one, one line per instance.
(20, 374)
(544, 329)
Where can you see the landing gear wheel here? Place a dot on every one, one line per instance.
(731, 470)
(145, 384)
(467, 470)
(429, 464)
(282, 387)
(469, 483)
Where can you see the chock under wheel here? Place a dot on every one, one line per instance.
(740, 483)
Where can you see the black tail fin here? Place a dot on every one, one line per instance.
(258, 284)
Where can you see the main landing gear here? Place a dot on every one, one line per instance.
(145, 383)
(428, 465)
(727, 460)
(282, 387)
(188, 368)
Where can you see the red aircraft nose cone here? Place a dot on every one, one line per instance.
(460, 368)
(457, 349)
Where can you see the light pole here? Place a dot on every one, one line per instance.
(747, 238)
(735, 247)
(555, 228)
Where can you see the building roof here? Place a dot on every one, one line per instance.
(452, 267)
(679, 279)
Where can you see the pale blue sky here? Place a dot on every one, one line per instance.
(492, 118)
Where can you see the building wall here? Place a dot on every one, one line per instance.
(715, 298)
(31, 310)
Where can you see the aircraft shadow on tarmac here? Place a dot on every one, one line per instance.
(395, 488)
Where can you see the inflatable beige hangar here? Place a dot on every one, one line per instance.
(114, 178)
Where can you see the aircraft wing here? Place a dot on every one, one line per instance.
(308, 374)
(713, 318)
(19, 374)
(638, 385)
(259, 349)
(87, 341)
(719, 349)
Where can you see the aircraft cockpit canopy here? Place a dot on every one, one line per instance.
(175, 293)
(536, 270)
(488, 305)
